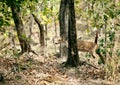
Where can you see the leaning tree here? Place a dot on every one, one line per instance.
(15, 6)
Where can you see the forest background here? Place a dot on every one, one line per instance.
(32, 35)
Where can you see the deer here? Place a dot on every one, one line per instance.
(91, 47)
(87, 46)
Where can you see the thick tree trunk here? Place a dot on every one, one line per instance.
(42, 42)
(73, 58)
(63, 20)
(20, 28)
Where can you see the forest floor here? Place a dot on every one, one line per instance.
(39, 70)
(47, 69)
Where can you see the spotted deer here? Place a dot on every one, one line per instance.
(91, 47)
(87, 46)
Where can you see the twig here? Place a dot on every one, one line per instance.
(84, 62)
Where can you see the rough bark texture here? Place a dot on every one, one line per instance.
(73, 58)
(16, 13)
(42, 42)
(63, 20)
(30, 26)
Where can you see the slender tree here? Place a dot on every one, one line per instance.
(42, 42)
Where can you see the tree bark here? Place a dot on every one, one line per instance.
(73, 58)
(63, 20)
(30, 27)
(45, 50)
(42, 42)
(16, 14)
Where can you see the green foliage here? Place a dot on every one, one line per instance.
(5, 11)
(118, 53)
(100, 14)
(105, 17)
(109, 44)
(111, 36)
(47, 9)
(5, 15)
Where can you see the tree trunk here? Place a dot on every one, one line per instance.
(30, 27)
(42, 42)
(63, 20)
(105, 38)
(46, 35)
(55, 25)
(16, 13)
(73, 58)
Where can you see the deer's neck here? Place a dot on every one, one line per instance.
(96, 38)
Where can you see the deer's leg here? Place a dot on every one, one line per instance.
(95, 56)
(92, 53)
(101, 57)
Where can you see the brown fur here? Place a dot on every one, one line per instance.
(85, 46)
(91, 47)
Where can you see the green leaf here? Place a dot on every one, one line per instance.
(118, 12)
(105, 17)
(111, 36)
(111, 13)
(1, 22)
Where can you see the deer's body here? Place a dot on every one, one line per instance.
(91, 47)
(86, 46)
